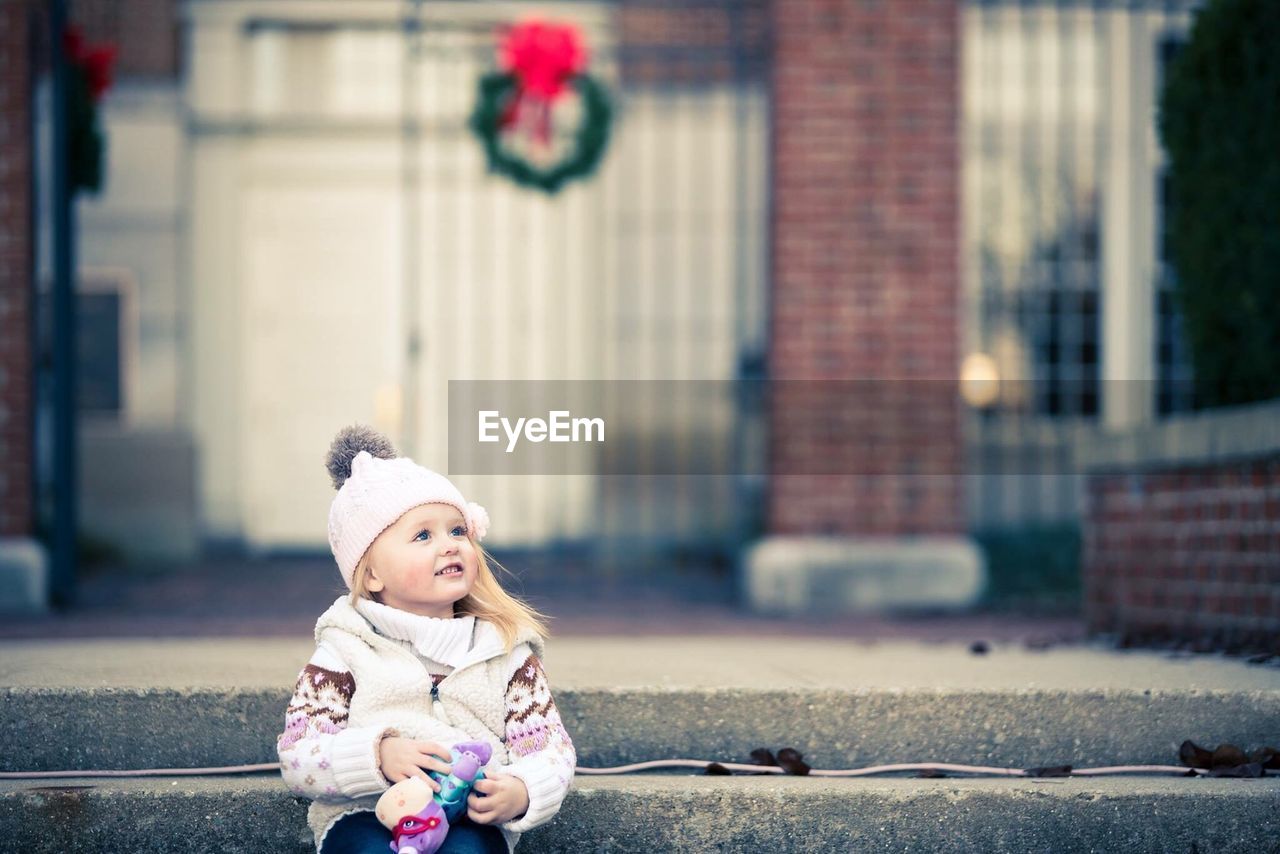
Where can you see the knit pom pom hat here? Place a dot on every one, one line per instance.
(375, 488)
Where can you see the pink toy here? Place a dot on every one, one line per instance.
(419, 817)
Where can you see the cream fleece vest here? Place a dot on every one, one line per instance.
(393, 690)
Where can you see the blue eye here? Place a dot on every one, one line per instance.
(423, 531)
(462, 528)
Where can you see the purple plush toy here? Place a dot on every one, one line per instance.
(418, 817)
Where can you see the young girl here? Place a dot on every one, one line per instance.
(427, 650)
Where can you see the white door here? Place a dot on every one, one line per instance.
(320, 226)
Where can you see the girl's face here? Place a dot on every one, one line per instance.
(414, 564)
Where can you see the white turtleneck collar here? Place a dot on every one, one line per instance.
(442, 639)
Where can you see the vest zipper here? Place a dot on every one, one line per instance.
(437, 708)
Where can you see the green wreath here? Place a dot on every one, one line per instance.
(85, 140)
(496, 91)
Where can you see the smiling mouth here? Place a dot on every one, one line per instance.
(450, 571)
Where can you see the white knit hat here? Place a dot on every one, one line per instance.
(375, 488)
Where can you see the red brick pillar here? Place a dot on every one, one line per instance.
(16, 400)
(866, 264)
(865, 504)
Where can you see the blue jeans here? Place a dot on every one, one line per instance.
(362, 833)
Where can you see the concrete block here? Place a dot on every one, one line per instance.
(825, 575)
(643, 813)
(138, 492)
(24, 576)
(221, 701)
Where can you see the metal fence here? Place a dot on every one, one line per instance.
(364, 199)
(344, 187)
(1067, 280)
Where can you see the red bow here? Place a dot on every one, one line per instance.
(543, 57)
(96, 60)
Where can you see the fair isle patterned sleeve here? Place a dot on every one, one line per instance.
(542, 754)
(320, 756)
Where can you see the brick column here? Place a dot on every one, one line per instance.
(866, 223)
(16, 516)
(866, 283)
(23, 560)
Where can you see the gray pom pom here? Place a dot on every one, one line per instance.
(351, 441)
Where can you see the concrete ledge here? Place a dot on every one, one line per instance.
(1218, 435)
(24, 576)
(682, 812)
(57, 731)
(79, 705)
(824, 575)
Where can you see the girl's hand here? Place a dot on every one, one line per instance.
(402, 758)
(505, 797)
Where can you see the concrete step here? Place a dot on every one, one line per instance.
(139, 704)
(652, 812)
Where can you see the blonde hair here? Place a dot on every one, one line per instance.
(486, 601)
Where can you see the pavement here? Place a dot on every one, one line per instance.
(281, 597)
(667, 662)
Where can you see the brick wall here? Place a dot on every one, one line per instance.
(692, 43)
(145, 31)
(1186, 553)
(16, 511)
(866, 271)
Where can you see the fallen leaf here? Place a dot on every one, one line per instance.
(1267, 757)
(761, 756)
(791, 760)
(1228, 756)
(1248, 769)
(1050, 771)
(1194, 756)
